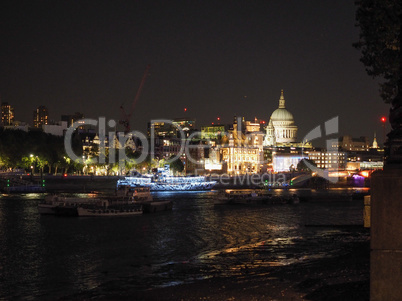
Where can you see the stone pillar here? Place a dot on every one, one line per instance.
(386, 236)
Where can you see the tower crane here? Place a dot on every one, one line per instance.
(125, 121)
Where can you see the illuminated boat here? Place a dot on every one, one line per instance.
(164, 181)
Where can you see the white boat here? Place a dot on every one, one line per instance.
(164, 181)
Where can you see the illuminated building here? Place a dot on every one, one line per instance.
(282, 162)
(40, 116)
(160, 129)
(281, 129)
(241, 160)
(244, 151)
(375, 144)
(185, 124)
(7, 114)
(171, 128)
(332, 160)
(213, 132)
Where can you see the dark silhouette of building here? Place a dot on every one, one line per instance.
(72, 118)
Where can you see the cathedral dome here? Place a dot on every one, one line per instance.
(281, 129)
(282, 115)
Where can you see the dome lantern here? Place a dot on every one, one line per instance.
(282, 101)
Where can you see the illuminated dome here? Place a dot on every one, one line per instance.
(281, 129)
(282, 115)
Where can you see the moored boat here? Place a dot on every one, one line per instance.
(62, 205)
(105, 209)
(240, 196)
(142, 196)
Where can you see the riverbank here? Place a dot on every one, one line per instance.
(342, 277)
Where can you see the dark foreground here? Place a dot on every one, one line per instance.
(344, 277)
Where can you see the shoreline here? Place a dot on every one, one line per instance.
(342, 277)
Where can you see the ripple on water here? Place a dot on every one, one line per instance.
(61, 257)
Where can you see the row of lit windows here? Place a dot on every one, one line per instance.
(244, 151)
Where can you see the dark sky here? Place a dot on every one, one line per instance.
(217, 58)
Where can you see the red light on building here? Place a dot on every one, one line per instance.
(185, 109)
(383, 119)
(218, 118)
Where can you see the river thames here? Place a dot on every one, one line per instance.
(50, 257)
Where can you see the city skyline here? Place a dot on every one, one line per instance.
(216, 60)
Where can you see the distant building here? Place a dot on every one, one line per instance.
(214, 132)
(347, 143)
(40, 117)
(171, 128)
(56, 129)
(196, 156)
(241, 159)
(244, 151)
(281, 129)
(70, 119)
(17, 125)
(375, 143)
(332, 160)
(282, 162)
(252, 126)
(187, 125)
(160, 129)
(7, 114)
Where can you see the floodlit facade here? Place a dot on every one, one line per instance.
(242, 160)
(281, 129)
(282, 162)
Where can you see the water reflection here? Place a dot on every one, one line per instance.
(51, 257)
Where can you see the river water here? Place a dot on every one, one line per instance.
(51, 257)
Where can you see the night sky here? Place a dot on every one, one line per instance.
(216, 58)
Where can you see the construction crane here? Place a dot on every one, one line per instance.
(125, 121)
